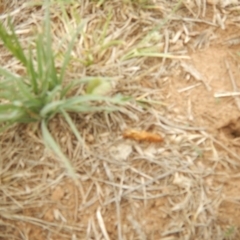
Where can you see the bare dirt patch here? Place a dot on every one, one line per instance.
(186, 187)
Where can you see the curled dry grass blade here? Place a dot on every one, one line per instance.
(40, 93)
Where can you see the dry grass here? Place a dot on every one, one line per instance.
(121, 182)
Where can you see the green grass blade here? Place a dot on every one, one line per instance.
(43, 66)
(32, 73)
(51, 75)
(79, 101)
(50, 142)
(51, 108)
(66, 89)
(9, 75)
(25, 91)
(10, 116)
(72, 126)
(40, 57)
(53, 95)
(68, 52)
(12, 43)
(88, 109)
(88, 98)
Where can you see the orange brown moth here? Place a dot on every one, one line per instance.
(142, 136)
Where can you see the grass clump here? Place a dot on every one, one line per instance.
(40, 93)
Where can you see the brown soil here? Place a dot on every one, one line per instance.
(104, 205)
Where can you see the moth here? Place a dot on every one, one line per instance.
(142, 136)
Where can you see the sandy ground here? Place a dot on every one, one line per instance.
(185, 187)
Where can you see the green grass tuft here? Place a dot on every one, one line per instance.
(40, 93)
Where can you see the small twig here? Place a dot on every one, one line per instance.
(226, 94)
(234, 85)
(204, 8)
(102, 224)
(189, 87)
